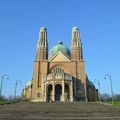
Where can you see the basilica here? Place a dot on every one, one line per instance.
(60, 76)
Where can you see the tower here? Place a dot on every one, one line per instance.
(76, 45)
(40, 61)
(42, 45)
(77, 59)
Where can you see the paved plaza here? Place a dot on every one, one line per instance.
(59, 111)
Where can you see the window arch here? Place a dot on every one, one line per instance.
(58, 70)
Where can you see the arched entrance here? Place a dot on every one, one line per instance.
(49, 93)
(67, 92)
(58, 92)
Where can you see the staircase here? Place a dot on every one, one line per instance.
(59, 111)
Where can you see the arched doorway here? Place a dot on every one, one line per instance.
(49, 93)
(67, 92)
(58, 92)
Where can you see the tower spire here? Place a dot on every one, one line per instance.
(42, 45)
(75, 37)
(76, 45)
(42, 39)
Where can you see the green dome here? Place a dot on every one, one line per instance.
(90, 83)
(74, 28)
(60, 47)
(42, 28)
(28, 83)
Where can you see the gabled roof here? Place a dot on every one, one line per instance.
(59, 57)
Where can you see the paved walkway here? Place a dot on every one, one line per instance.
(59, 111)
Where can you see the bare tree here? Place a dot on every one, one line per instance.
(2, 98)
(117, 97)
(10, 97)
(106, 97)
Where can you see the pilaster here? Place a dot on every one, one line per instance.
(71, 92)
(63, 88)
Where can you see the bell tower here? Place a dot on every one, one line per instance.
(76, 45)
(42, 45)
(40, 61)
(77, 59)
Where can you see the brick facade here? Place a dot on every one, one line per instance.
(61, 77)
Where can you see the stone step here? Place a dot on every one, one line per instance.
(59, 111)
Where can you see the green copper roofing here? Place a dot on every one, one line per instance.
(60, 47)
(42, 28)
(75, 28)
(90, 83)
(28, 83)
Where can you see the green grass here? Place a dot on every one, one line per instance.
(6, 102)
(116, 103)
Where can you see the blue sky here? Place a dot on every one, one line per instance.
(99, 24)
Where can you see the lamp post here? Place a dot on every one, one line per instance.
(3, 76)
(98, 89)
(107, 75)
(16, 84)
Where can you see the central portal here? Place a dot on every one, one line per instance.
(58, 92)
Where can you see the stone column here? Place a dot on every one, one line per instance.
(53, 97)
(71, 92)
(45, 93)
(53, 90)
(63, 88)
(44, 89)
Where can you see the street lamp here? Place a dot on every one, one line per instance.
(107, 75)
(16, 84)
(98, 89)
(3, 76)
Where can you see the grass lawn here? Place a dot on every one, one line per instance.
(5, 102)
(116, 103)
